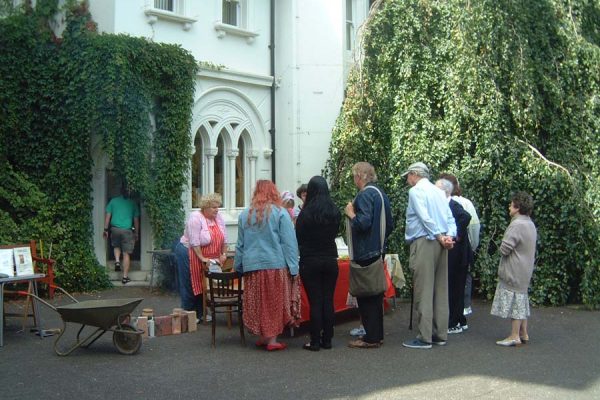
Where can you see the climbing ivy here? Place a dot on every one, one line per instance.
(505, 95)
(56, 95)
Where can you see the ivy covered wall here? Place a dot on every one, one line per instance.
(55, 93)
(505, 95)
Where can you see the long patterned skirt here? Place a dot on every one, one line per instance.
(271, 302)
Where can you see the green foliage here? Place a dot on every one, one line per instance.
(56, 95)
(505, 95)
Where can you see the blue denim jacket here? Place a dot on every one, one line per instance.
(270, 245)
(366, 235)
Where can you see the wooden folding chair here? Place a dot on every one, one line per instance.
(225, 292)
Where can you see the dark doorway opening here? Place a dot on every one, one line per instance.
(113, 189)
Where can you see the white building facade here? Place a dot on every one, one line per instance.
(269, 90)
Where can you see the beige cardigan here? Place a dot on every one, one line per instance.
(518, 254)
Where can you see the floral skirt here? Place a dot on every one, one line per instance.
(509, 304)
(271, 302)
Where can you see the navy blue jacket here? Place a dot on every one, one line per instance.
(366, 235)
(461, 254)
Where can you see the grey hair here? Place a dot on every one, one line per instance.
(446, 186)
(421, 173)
(365, 171)
(208, 200)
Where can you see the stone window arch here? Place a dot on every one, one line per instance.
(228, 135)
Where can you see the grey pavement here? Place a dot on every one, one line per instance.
(560, 362)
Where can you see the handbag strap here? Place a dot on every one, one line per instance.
(381, 225)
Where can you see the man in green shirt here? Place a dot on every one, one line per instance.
(123, 220)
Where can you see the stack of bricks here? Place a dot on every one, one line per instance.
(180, 321)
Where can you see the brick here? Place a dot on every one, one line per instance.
(191, 320)
(142, 324)
(184, 322)
(163, 325)
(176, 321)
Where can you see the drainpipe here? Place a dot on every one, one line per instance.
(272, 56)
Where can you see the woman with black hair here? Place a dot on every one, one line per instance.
(316, 229)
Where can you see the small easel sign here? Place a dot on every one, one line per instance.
(7, 265)
(23, 261)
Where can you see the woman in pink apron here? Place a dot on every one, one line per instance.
(204, 239)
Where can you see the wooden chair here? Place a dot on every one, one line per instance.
(40, 265)
(225, 297)
(226, 267)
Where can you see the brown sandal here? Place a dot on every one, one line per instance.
(359, 344)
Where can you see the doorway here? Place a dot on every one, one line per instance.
(113, 189)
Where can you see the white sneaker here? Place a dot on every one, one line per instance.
(454, 329)
(358, 331)
(208, 318)
(464, 327)
(468, 311)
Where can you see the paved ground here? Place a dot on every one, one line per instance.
(561, 362)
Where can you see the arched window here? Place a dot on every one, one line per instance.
(197, 168)
(219, 177)
(240, 168)
(228, 142)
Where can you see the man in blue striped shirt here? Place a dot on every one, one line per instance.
(430, 231)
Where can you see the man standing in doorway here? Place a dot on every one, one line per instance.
(430, 229)
(123, 220)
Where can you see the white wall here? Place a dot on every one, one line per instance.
(311, 61)
(309, 43)
(202, 39)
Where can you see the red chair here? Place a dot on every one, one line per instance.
(40, 265)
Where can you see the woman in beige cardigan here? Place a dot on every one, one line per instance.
(515, 270)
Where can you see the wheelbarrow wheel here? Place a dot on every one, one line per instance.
(127, 343)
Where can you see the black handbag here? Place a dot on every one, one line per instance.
(368, 280)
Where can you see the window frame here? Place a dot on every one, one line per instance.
(349, 25)
(222, 132)
(178, 14)
(241, 14)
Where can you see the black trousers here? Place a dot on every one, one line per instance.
(457, 277)
(371, 314)
(319, 277)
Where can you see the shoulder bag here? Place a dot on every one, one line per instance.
(369, 280)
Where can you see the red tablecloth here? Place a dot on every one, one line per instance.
(340, 295)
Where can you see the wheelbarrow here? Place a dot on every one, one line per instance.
(105, 315)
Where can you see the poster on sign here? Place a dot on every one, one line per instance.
(23, 261)
(7, 265)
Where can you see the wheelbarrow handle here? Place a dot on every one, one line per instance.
(24, 293)
(38, 298)
(65, 292)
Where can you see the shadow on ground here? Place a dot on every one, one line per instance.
(560, 362)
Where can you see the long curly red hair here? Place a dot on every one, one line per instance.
(266, 195)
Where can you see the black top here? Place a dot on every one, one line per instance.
(315, 239)
(318, 222)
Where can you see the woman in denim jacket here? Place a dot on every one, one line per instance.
(267, 254)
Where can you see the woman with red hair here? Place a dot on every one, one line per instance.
(267, 255)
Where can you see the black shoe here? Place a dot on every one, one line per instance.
(311, 347)
(125, 280)
(326, 345)
(437, 341)
(117, 266)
